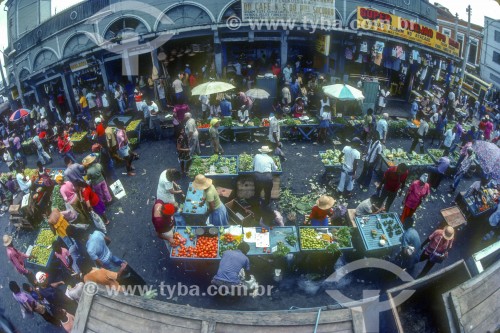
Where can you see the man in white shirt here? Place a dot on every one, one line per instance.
(192, 133)
(91, 100)
(423, 128)
(382, 127)
(177, 85)
(382, 99)
(449, 137)
(42, 154)
(287, 73)
(205, 105)
(263, 166)
(351, 157)
(154, 119)
(43, 112)
(24, 182)
(274, 128)
(286, 95)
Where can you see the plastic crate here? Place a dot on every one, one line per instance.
(276, 234)
(194, 198)
(369, 222)
(47, 264)
(330, 229)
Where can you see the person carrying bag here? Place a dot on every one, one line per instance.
(439, 243)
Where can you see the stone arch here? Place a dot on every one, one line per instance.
(125, 25)
(233, 8)
(44, 58)
(186, 14)
(77, 43)
(24, 74)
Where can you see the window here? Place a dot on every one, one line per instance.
(472, 52)
(447, 32)
(497, 36)
(460, 39)
(496, 57)
(495, 78)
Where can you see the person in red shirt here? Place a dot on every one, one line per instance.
(394, 180)
(93, 202)
(99, 128)
(65, 146)
(321, 212)
(276, 69)
(192, 81)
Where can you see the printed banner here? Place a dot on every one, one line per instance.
(374, 20)
(303, 11)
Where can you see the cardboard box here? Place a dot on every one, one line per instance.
(237, 213)
(14, 209)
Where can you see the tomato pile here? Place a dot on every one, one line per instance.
(178, 240)
(206, 247)
(204, 126)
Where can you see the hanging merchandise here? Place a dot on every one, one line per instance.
(423, 74)
(404, 69)
(378, 59)
(379, 47)
(363, 47)
(348, 53)
(360, 58)
(399, 52)
(394, 52)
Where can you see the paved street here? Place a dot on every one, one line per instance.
(134, 239)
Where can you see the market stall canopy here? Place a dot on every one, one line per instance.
(343, 92)
(18, 114)
(488, 156)
(210, 88)
(257, 94)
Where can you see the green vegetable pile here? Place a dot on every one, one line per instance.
(311, 240)
(395, 126)
(202, 165)
(331, 157)
(57, 199)
(45, 238)
(40, 255)
(226, 122)
(291, 239)
(282, 250)
(292, 203)
(342, 236)
(288, 121)
(437, 153)
(246, 162)
(75, 137)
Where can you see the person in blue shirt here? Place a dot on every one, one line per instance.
(225, 107)
(231, 263)
(414, 108)
(410, 245)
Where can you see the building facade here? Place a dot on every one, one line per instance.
(450, 25)
(490, 59)
(98, 42)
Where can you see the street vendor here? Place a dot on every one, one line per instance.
(216, 209)
(263, 166)
(96, 178)
(351, 156)
(476, 187)
(232, 262)
(214, 136)
(163, 220)
(298, 108)
(274, 127)
(369, 206)
(321, 212)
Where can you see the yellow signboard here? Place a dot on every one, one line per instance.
(374, 20)
(78, 65)
(323, 45)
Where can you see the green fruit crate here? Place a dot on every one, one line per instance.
(42, 266)
(379, 223)
(328, 229)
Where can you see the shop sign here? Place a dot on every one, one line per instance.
(376, 21)
(78, 65)
(323, 45)
(274, 12)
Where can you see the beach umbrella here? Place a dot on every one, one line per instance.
(343, 92)
(488, 156)
(257, 94)
(18, 114)
(210, 88)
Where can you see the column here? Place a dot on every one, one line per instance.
(218, 54)
(68, 94)
(126, 65)
(20, 91)
(104, 75)
(284, 49)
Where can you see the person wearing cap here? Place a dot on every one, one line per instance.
(463, 168)
(17, 258)
(417, 192)
(321, 212)
(263, 166)
(392, 183)
(369, 206)
(410, 243)
(192, 133)
(216, 209)
(163, 220)
(213, 132)
(49, 288)
(438, 245)
(383, 127)
(100, 129)
(422, 130)
(96, 178)
(351, 157)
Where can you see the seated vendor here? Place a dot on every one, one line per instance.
(231, 263)
(369, 206)
(298, 109)
(321, 212)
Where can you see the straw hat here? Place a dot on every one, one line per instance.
(168, 209)
(7, 240)
(449, 233)
(325, 202)
(265, 149)
(89, 159)
(59, 179)
(201, 182)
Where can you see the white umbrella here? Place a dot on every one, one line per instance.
(343, 92)
(257, 94)
(210, 88)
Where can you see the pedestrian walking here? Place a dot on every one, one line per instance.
(465, 165)
(351, 156)
(436, 251)
(371, 160)
(29, 305)
(42, 154)
(193, 135)
(417, 192)
(392, 184)
(410, 244)
(17, 257)
(422, 130)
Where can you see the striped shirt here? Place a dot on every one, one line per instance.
(230, 266)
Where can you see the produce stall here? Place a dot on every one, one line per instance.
(133, 128)
(80, 142)
(331, 160)
(277, 241)
(53, 172)
(379, 231)
(245, 164)
(325, 239)
(414, 161)
(478, 204)
(41, 250)
(215, 166)
(194, 208)
(28, 146)
(436, 154)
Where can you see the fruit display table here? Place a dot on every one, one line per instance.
(277, 241)
(330, 239)
(194, 208)
(215, 166)
(414, 161)
(476, 205)
(245, 164)
(195, 243)
(379, 231)
(80, 142)
(42, 249)
(331, 160)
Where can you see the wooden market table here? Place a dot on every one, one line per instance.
(382, 223)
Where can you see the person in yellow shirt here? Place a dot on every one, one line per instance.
(85, 107)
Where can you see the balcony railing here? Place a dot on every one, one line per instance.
(68, 17)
